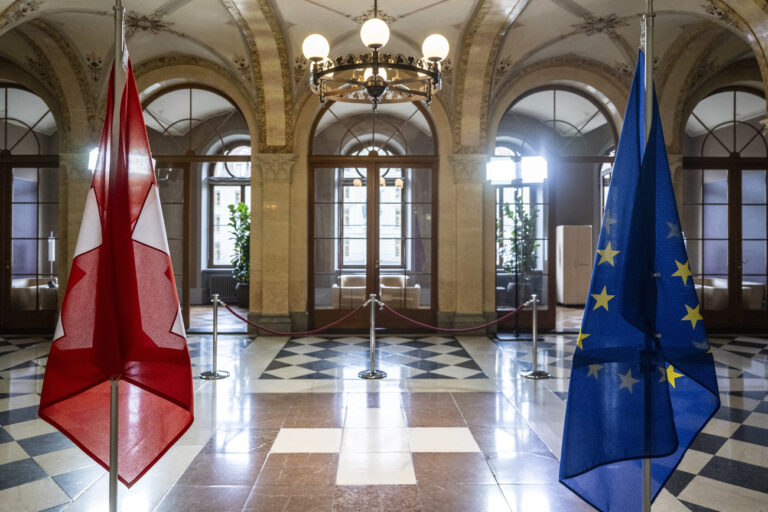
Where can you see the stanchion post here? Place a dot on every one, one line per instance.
(535, 373)
(215, 373)
(373, 373)
(113, 425)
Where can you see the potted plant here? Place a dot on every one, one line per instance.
(518, 250)
(240, 224)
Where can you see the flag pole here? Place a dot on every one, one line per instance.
(647, 42)
(114, 383)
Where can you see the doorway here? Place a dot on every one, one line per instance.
(29, 213)
(372, 225)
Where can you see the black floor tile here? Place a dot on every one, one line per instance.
(19, 473)
(5, 437)
(751, 434)
(45, 443)
(697, 508)
(678, 481)
(732, 414)
(18, 415)
(75, 482)
(707, 443)
(737, 473)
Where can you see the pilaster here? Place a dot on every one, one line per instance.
(469, 176)
(273, 172)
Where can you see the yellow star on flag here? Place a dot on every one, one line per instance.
(683, 271)
(607, 254)
(672, 375)
(580, 339)
(593, 369)
(693, 315)
(601, 299)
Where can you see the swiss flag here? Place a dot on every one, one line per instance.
(120, 317)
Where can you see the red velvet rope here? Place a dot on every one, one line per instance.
(304, 333)
(444, 329)
(358, 308)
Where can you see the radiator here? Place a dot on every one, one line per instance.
(224, 286)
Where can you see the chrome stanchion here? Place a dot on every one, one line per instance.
(373, 373)
(113, 425)
(535, 373)
(215, 374)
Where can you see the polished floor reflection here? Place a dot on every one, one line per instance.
(453, 428)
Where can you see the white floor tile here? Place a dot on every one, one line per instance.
(10, 452)
(374, 440)
(694, 461)
(375, 469)
(63, 461)
(757, 419)
(744, 452)
(307, 440)
(374, 418)
(32, 497)
(432, 439)
(457, 372)
(29, 428)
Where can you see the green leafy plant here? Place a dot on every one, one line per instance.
(240, 224)
(518, 251)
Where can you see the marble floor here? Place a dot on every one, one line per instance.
(453, 428)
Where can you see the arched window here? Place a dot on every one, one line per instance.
(554, 147)
(29, 210)
(372, 187)
(724, 206)
(202, 146)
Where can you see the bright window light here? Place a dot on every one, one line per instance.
(500, 170)
(93, 157)
(534, 169)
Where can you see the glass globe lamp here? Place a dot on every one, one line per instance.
(374, 33)
(315, 48)
(435, 48)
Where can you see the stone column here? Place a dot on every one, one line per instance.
(74, 182)
(469, 176)
(270, 236)
(676, 173)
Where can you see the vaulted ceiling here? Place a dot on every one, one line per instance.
(257, 43)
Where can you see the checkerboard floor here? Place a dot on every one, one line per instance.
(406, 357)
(374, 443)
(731, 452)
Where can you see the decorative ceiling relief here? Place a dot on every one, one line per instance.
(299, 67)
(593, 25)
(243, 66)
(154, 23)
(20, 11)
(503, 66)
(95, 64)
(362, 18)
(721, 14)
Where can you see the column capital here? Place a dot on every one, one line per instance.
(275, 167)
(468, 167)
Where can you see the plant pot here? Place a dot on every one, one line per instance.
(242, 293)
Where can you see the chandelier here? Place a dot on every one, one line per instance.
(375, 77)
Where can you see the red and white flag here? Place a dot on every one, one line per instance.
(120, 317)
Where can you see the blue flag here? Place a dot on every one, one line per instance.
(643, 379)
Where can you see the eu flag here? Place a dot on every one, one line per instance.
(643, 379)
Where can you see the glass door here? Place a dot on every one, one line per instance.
(724, 223)
(371, 236)
(339, 242)
(30, 232)
(404, 261)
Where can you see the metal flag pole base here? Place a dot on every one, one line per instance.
(113, 438)
(215, 374)
(535, 374)
(373, 373)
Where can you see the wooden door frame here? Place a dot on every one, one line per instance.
(373, 164)
(734, 316)
(12, 321)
